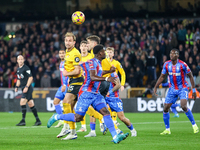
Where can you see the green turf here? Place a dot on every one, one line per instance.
(148, 126)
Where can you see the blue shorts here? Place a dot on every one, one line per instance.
(173, 95)
(59, 94)
(115, 103)
(86, 99)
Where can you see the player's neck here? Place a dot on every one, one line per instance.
(62, 59)
(174, 62)
(84, 54)
(21, 65)
(111, 59)
(70, 49)
(100, 59)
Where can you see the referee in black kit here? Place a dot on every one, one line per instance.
(24, 80)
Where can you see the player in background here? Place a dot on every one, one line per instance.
(177, 71)
(24, 80)
(60, 95)
(92, 41)
(89, 95)
(115, 103)
(119, 68)
(173, 106)
(73, 71)
(85, 56)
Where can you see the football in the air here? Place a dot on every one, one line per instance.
(78, 17)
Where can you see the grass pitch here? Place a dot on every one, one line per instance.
(148, 126)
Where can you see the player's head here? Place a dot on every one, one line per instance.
(84, 47)
(92, 40)
(20, 60)
(99, 52)
(62, 54)
(110, 52)
(174, 54)
(70, 40)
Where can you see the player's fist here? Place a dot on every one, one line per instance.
(63, 88)
(25, 90)
(111, 79)
(155, 91)
(122, 88)
(112, 69)
(16, 89)
(194, 95)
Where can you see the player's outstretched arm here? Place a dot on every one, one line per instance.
(190, 75)
(76, 71)
(94, 77)
(160, 80)
(117, 85)
(112, 69)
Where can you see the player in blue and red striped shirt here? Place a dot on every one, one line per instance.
(89, 95)
(115, 103)
(177, 71)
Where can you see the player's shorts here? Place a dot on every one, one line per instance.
(173, 95)
(86, 99)
(115, 103)
(104, 87)
(75, 85)
(28, 94)
(59, 94)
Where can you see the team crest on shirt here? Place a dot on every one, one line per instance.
(80, 109)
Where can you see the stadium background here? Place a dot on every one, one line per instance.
(142, 32)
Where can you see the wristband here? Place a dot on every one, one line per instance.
(16, 87)
(26, 86)
(194, 90)
(106, 78)
(110, 92)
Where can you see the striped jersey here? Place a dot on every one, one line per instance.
(64, 80)
(116, 93)
(89, 85)
(177, 73)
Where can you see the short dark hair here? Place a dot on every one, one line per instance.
(176, 50)
(94, 38)
(61, 50)
(97, 49)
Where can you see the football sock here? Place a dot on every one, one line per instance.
(23, 112)
(67, 109)
(166, 117)
(68, 117)
(83, 122)
(110, 125)
(92, 126)
(58, 109)
(131, 127)
(93, 113)
(34, 110)
(114, 115)
(190, 116)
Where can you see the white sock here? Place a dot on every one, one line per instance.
(83, 126)
(194, 125)
(92, 131)
(168, 129)
(73, 131)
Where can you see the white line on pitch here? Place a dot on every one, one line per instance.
(27, 127)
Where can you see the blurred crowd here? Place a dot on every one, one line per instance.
(141, 46)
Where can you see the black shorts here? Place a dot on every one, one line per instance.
(28, 94)
(104, 87)
(75, 85)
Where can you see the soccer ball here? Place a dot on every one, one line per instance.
(78, 17)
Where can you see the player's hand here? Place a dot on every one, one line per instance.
(25, 90)
(111, 79)
(194, 95)
(112, 69)
(64, 72)
(155, 91)
(16, 89)
(122, 88)
(107, 94)
(63, 88)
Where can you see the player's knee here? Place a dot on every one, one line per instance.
(184, 107)
(78, 117)
(104, 111)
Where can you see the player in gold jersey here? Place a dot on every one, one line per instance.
(73, 71)
(85, 56)
(118, 66)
